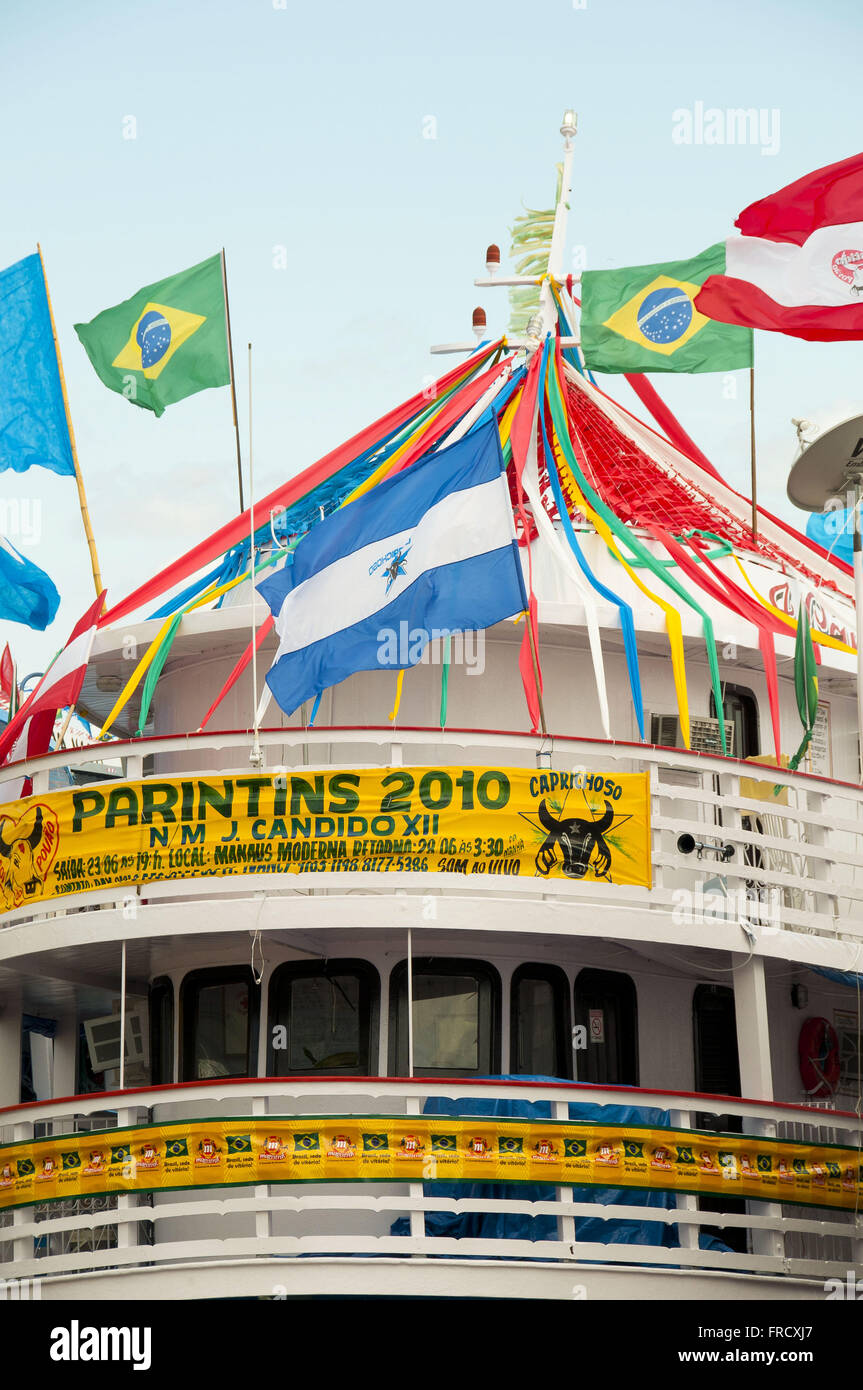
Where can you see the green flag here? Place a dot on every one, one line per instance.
(166, 342)
(805, 683)
(643, 319)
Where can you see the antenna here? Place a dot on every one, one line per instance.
(544, 321)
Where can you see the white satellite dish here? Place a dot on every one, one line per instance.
(828, 467)
(832, 467)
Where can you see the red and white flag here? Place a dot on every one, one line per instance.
(29, 733)
(8, 683)
(797, 266)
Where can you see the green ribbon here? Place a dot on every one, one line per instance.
(444, 680)
(632, 543)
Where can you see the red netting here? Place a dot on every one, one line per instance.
(640, 490)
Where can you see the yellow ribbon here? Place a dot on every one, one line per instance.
(399, 683)
(141, 669)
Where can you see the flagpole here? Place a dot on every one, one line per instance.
(233, 386)
(256, 757)
(753, 484)
(82, 496)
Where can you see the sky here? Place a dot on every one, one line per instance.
(355, 161)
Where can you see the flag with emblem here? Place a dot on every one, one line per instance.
(429, 550)
(166, 342)
(643, 319)
(177, 1148)
(239, 1143)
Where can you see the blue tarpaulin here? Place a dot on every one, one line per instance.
(515, 1226)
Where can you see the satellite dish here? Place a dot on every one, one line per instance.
(828, 466)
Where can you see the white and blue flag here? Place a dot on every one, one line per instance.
(433, 548)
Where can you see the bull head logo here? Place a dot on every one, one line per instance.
(27, 850)
(579, 839)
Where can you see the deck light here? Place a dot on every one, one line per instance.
(478, 322)
(492, 259)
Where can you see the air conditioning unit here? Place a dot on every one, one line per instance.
(103, 1040)
(703, 733)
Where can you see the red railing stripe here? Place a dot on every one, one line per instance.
(487, 1082)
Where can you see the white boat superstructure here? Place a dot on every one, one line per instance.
(274, 1044)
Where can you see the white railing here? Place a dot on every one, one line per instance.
(798, 858)
(129, 1233)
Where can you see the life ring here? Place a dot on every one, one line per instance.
(818, 1051)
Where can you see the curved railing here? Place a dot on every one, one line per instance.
(798, 856)
(160, 1231)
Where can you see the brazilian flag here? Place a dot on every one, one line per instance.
(71, 1159)
(166, 342)
(575, 1148)
(644, 319)
(375, 1143)
(26, 1167)
(177, 1148)
(239, 1143)
(444, 1143)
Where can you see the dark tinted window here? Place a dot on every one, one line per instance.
(219, 1010)
(456, 1013)
(323, 1017)
(605, 1006)
(540, 1043)
(717, 1069)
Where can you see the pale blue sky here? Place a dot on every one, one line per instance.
(259, 127)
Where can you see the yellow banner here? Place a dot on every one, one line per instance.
(225, 1152)
(463, 820)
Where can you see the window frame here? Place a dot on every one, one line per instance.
(160, 988)
(557, 978)
(620, 981)
(487, 976)
(370, 985)
(192, 984)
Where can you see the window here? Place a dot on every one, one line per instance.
(540, 1043)
(456, 1018)
(219, 1012)
(605, 1006)
(161, 1032)
(741, 708)
(717, 1069)
(324, 1017)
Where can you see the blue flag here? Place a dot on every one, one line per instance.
(427, 553)
(834, 530)
(27, 595)
(33, 425)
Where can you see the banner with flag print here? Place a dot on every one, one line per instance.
(643, 319)
(166, 342)
(429, 551)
